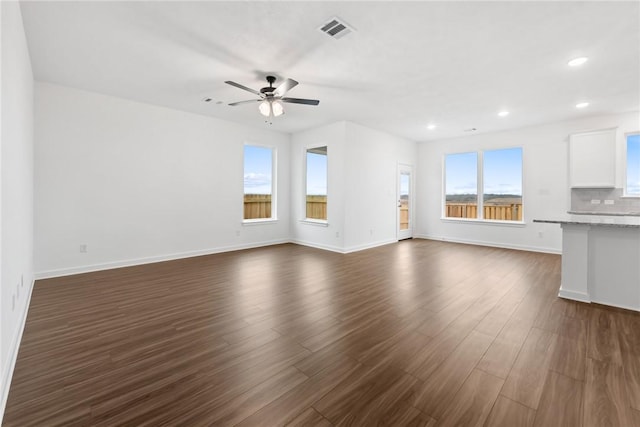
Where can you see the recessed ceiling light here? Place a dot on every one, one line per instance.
(576, 62)
(582, 105)
(503, 113)
(431, 127)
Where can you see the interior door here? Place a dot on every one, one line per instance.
(405, 202)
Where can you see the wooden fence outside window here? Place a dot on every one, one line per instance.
(258, 206)
(501, 212)
(317, 207)
(404, 214)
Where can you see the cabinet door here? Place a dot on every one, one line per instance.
(592, 159)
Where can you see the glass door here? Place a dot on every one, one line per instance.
(405, 211)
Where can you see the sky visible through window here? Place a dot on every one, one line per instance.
(633, 165)
(316, 174)
(461, 173)
(405, 183)
(503, 171)
(258, 164)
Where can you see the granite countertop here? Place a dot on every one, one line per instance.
(598, 220)
(604, 213)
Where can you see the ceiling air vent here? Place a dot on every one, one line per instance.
(336, 28)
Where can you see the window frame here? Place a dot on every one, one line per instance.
(274, 186)
(625, 194)
(480, 190)
(305, 219)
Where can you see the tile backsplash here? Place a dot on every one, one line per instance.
(581, 201)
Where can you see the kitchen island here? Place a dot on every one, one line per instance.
(600, 259)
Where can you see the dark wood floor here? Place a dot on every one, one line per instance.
(415, 333)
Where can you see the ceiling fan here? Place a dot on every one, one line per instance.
(271, 98)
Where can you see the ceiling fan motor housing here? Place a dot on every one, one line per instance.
(271, 80)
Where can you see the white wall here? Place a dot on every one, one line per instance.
(331, 236)
(545, 185)
(16, 167)
(371, 185)
(361, 199)
(139, 183)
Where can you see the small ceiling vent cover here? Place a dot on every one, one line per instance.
(336, 28)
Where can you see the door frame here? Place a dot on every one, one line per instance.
(405, 234)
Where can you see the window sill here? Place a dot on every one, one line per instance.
(251, 222)
(485, 221)
(630, 196)
(316, 222)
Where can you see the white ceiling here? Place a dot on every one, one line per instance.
(455, 64)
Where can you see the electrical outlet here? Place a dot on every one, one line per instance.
(337, 234)
(237, 233)
(13, 302)
(22, 280)
(83, 248)
(371, 232)
(609, 202)
(540, 234)
(595, 201)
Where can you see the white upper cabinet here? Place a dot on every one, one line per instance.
(592, 159)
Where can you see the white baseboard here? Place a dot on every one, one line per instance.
(573, 295)
(149, 260)
(47, 274)
(585, 297)
(344, 250)
(7, 375)
(614, 304)
(369, 245)
(491, 244)
(318, 246)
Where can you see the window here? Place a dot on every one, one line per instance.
(632, 187)
(496, 174)
(461, 179)
(316, 184)
(259, 200)
(502, 184)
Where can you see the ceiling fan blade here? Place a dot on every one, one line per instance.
(239, 86)
(233, 104)
(285, 87)
(300, 101)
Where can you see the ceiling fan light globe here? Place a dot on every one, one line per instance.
(265, 108)
(278, 108)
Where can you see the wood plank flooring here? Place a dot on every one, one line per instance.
(419, 333)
